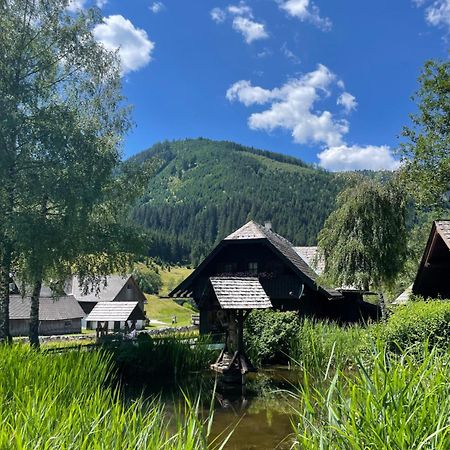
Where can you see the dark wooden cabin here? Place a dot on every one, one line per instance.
(255, 251)
(433, 276)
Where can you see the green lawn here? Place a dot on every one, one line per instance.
(163, 309)
(172, 278)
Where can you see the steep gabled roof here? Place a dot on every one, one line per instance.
(115, 312)
(443, 228)
(281, 246)
(62, 308)
(106, 293)
(240, 293)
(311, 256)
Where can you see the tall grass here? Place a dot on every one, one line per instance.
(167, 358)
(399, 402)
(64, 401)
(319, 346)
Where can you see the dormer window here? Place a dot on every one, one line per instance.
(253, 268)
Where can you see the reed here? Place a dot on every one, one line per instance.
(319, 346)
(396, 402)
(64, 401)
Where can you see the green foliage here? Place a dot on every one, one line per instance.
(364, 239)
(206, 189)
(320, 345)
(268, 335)
(415, 323)
(166, 358)
(148, 279)
(396, 403)
(426, 153)
(63, 401)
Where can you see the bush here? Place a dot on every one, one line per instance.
(416, 322)
(148, 280)
(268, 335)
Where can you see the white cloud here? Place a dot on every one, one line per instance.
(348, 101)
(218, 15)
(250, 29)
(133, 44)
(242, 21)
(355, 157)
(157, 7)
(291, 56)
(305, 10)
(437, 13)
(76, 5)
(292, 107)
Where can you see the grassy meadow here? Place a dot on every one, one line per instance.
(163, 309)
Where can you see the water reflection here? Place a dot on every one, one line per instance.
(259, 412)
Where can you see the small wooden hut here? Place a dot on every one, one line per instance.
(233, 298)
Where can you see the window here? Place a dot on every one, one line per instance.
(229, 267)
(68, 323)
(128, 286)
(253, 268)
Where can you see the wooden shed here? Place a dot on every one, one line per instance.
(56, 315)
(287, 274)
(113, 289)
(433, 276)
(115, 316)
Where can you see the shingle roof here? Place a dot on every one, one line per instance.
(240, 293)
(253, 230)
(404, 296)
(61, 308)
(115, 312)
(310, 256)
(443, 228)
(114, 284)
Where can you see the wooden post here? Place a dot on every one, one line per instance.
(240, 331)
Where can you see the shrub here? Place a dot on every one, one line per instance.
(417, 322)
(268, 335)
(149, 280)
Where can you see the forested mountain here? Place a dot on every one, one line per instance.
(205, 189)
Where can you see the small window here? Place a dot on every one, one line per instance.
(128, 286)
(229, 267)
(68, 323)
(253, 268)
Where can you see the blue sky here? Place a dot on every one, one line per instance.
(326, 81)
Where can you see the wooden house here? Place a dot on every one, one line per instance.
(266, 262)
(57, 315)
(433, 276)
(114, 289)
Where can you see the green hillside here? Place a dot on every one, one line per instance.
(205, 189)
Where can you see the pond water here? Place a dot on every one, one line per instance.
(259, 414)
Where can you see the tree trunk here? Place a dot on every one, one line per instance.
(34, 314)
(384, 311)
(5, 270)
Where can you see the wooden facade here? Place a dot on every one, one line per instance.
(433, 276)
(288, 280)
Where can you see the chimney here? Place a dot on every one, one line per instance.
(268, 226)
